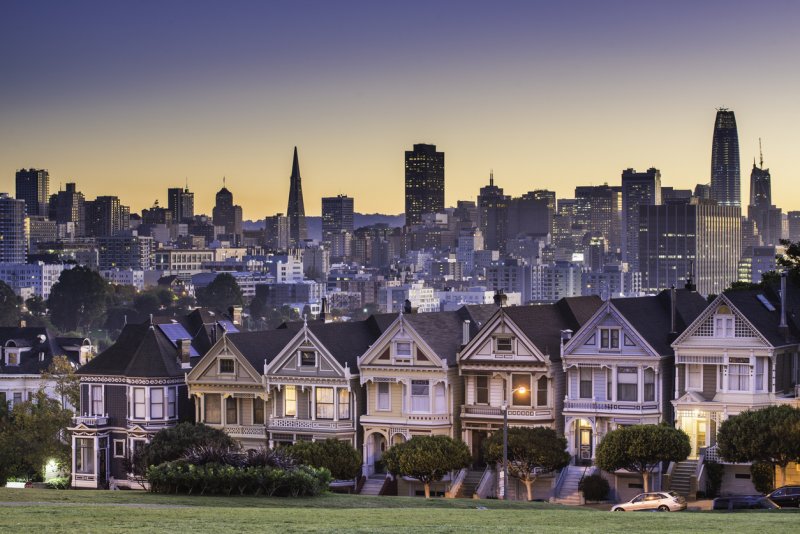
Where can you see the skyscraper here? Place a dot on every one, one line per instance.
(68, 210)
(105, 216)
(424, 182)
(33, 186)
(180, 201)
(13, 240)
(227, 214)
(337, 215)
(638, 189)
(296, 211)
(492, 215)
(725, 175)
(768, 218)
(598, 208)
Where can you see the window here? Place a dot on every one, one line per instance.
(627, 384)
(420, 396)
(119, 448)
(384, 400)
(156, 403)
(231, 412)
(482, 389)
(402, 350)
(308, 358)
(541, 391)
(97, 400)
(3, 398)
(172, 403)
(344, 404)
(258, 411)
(17, 397)
(226, 366)
(12, 358)
(139, 406)
(290, 401)
(585, 383)
(694, 377)
(439, 398)
(213, 408)
(324, 403)
(84, 455)
(503, 344)
(739, 377)
(609, 338)
(649, 385)
(723, 326)
(519, 398)
(760, 374)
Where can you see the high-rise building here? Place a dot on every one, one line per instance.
(337, 215)
(794, 226)
(276, 232)
(228, 215)
(424, 182)
(725, 175)
(700, 239)
(768, 218)
(530, 215)
(126, 250)
(105, 216)
(13, 241)
(68, 210)
(296, 212)
(599, 209)
(33, 186)
(638, 189)
(180, 201)
(493, 215)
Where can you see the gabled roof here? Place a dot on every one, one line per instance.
(257, 347)
(141, 351)
(767, 321)
(651, 316)
(39, 340)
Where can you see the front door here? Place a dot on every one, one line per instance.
(478, 439)
(585, 445)
(697, 429)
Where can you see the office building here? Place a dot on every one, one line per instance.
(126, 250)
(228, 216)
(68, 210)
(180, 202)
(33, 186)
(725, 175)
(767, 217)
(337, 216)
(13, 237)
(424, 182)
(296, 211)
(105, 216)
(638, 189)
(493, 215)
(276, 232)
(599, 209)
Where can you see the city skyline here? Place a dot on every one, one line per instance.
(536, 92)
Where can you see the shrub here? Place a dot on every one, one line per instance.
(594, 488)
(264, 457)
(339, 457)
(763, 476)
(714, 472)
(214, 454)
(59, 483)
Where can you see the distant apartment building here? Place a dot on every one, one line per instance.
(424, 182)
(32, 279)
(391, 299)
(125, 277)
(638, 189)
(755, 262)
(337, 216)
(599, 209)
(550, 283)
(13, 238)
(33, 187)
(180, 202)
(125, 251)
(510, 276)
(452, 300)
(612, 281)
(276, 232)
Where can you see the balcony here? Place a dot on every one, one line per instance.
(496, 412)
(246, 431)
(587, 405)
(90, 420)
(290, 423)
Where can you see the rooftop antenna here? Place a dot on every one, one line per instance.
(223, 181)
(760, 155)
(187, 183)
(491, 177)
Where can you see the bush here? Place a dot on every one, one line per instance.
(59, 483)
(213, 454)
(763, 476)
(264, 457)
(339, 457)
(714, 472)
(594, 488)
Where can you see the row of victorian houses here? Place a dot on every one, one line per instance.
(587, 366)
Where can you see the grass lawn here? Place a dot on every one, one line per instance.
(102, 511)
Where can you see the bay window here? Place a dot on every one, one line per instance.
(649, 385)
(439, 398)
(290, 401)
(172, 404)
(156, 403)
(482, 389)
(344, 404)
(760, 374)
(213, 408)
(739, 377)
(84, 455)
(420, 396)
(231, 412)
(627, 384)
(384, 399)
(694, 377)
(97, 400)
(520, 398)
(324, 403)
(258, 411)
(139, 406)
(585, 382)
(541, 391)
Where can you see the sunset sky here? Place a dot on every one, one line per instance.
(131, 98)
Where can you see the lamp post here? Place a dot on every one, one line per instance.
(521, 389)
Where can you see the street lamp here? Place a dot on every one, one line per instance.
(522, 390)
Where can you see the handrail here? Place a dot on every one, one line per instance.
(668, 476)
(455, 486)
(560, 481)
(486, 479)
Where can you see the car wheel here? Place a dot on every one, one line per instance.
(619, 509)
(663, 508)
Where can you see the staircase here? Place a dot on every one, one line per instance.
(470, 484)
(373, 485)
(568, 493)
(682, 474)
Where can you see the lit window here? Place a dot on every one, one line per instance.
(344, 404)
(521, 398)
(290, 401)
(324, 403)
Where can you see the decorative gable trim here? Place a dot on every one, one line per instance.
(700, 326)
(400, 327)
(305, 339)
(487, 335)
(587, 335)
(222, 347)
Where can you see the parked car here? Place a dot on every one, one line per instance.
(786, 497)
(663, 501)
(743, 502)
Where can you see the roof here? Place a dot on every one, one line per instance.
(257, 347)
(767, 321)
(40, 341)
(141, 351)
(651, 316)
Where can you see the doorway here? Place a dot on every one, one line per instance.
(478, 439)
(583, 444)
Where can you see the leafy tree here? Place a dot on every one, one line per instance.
(222, 293)
(427, 458)
(30, 436)
(173, 443)
(770, 435)
(790, 260)
(339, 457)
(530, 450)
(67, 382)
(36, 305)
(78, 299)
(9, 306)
(641, 448)
(146, 304)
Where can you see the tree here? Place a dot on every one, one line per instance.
(641, 448)
(530, 450)
(36, 305)
(171, 444)
(222, 293)
(339, 457)
(427, 458)
(30, 436)
(62, 371)
(78, 299)
(146, 304)
(770, 435)
(9, 306)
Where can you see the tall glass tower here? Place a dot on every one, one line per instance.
(725, 175)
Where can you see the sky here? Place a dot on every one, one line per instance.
(130, 98)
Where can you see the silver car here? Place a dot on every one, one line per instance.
(663, 501)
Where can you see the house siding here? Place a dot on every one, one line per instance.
(116, 404)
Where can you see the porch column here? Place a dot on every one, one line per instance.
(335, 403)
(614, 383)
(677, 384)
(74, 452)
(201, 401)
(96, 442)
(313, 403)
(640, 384)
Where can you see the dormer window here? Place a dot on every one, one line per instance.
(609, 338)
(12, 358)
(402, 350)
(308, 358)
(226, 366)
(723, 325)
(503, 344)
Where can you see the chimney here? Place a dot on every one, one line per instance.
(23, 323)
(465, 332)
(407, 307)
(322, 309)
(783, 327)
(236, 314)
(566, 335)
(500, 298)
(673, 297)
(183, 352)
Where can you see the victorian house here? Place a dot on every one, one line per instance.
(740, 354)
(513, 364)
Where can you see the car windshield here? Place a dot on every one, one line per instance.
(672, 494)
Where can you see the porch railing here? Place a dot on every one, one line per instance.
(512, 411)
(609, 406)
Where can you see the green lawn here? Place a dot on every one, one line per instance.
(103, 511)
